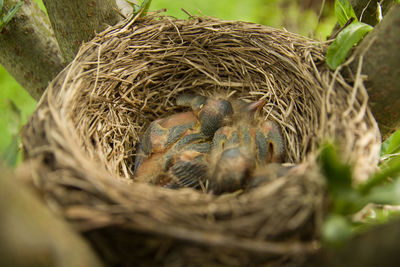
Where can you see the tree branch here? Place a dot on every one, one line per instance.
(28, 49)
(31, 236)
(76, 21)
(381, 56)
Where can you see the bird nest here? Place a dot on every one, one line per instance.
(81, 141)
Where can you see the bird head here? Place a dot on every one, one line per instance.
(212, 112)
(231, 170)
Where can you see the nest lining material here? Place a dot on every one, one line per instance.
(81, 140)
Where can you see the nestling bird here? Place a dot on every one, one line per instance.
(165, 138)
(241, 148)
(219, 143)
(189, 169)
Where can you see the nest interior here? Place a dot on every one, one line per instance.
(81, 140)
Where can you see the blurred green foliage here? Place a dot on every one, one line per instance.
(348, 201)
(275, 13)
(11, 92)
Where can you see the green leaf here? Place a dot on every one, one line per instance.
(1, 8)
(392, 170)
(6, 19)
(337, 173)
(336, 230)
(346, 39)
(134, 6)
(15, 117)
(143, 8)
(348, 201)
(145, 5)
(344, 11)
(345, 198)
(391, 145)
(10, 154)
(387, 194)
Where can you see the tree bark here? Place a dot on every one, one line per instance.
(380, 50)
(31, 236)
(76, 21)
(28, 49)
